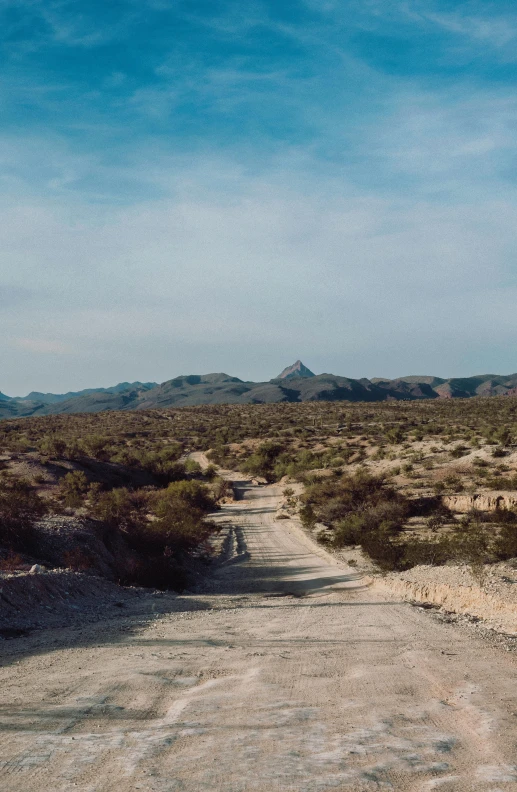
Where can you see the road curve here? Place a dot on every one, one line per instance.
(285, 673)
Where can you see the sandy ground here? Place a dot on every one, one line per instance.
(285, 672)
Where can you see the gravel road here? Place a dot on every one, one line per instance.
(286, 672)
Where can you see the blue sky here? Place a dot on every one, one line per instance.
(205, 186)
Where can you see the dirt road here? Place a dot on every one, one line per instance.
(285, 673)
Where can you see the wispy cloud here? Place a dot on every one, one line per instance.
(35, 23)
(499, 32)
(475, 23)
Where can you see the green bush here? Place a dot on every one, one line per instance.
(158, 527)
(180, 513)
(211, 472)
(96, 446)
(52, 446)
(192, 467)
(120, 508)
(335, 499)
(506, 542)
(361, 509)
(20, 507)
(73, 488)
(262, 462)
(395, 436)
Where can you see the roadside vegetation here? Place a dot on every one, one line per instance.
(410, 482)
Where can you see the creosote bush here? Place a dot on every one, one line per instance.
(158, 526)
(362, 510)
(73, 488)
(20, 508)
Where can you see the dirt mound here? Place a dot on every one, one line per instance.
(59, 598)
(75, 542)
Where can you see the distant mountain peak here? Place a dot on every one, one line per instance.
(296, 370)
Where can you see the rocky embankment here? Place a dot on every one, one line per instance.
(483, 502)
(46, 596)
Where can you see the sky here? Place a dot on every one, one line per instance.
(190, 186)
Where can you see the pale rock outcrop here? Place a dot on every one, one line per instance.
(485, 502)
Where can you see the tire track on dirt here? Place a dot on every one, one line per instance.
(326, 686)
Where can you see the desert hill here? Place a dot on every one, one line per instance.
(296, 383)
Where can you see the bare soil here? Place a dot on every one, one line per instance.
(286, 671)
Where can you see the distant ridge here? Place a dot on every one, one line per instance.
(53, 398)
(296, 383)
(296, 370)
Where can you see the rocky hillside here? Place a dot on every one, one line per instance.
(296, 370)
(296, 383)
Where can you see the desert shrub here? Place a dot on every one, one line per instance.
(505, 545)
(220, 488)
(499, 482)
(179, 518)
(119, 508)
(73, 488)
(52, 446)
(163, 465)
(211, 472)
(334, 499)
(157, 526)
(480, 463)
(126, 457)
(20, 508)
(296, 464)
(166, 471)
(503, 436)
(360, 509)
(192, 467)
(364, 510)
(193, 493)
(96, 446)
(381, 548)
(308, 516)
(395, 435)
(262, 461)
(453, 483)
(414, 552)
(291, 499)
(469, 542)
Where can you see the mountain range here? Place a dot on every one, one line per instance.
(296, 383)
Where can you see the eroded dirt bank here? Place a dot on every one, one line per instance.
(286, 672)
(488, 594)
